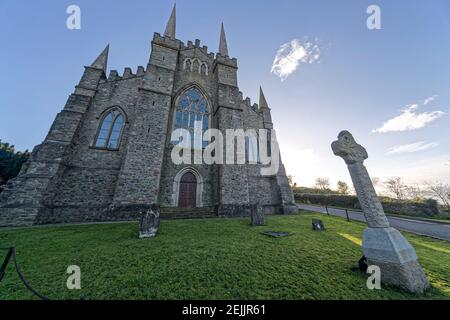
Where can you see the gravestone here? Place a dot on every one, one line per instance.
(257, 215)
(318, 225)
(149, 223)
(383, 246)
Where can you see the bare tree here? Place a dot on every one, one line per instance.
(376, 184)
(375, 181)
(342, 188)
(323, 183)
(414, 192)
(396, 187)
(440, 191)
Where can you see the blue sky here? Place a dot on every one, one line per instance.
(362, 79)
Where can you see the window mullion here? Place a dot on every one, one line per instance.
(111, 129)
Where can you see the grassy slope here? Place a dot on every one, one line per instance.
(209, 259)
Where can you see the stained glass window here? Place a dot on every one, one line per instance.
(191, 110)
(110, 130)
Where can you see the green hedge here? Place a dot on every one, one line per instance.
(425, 208)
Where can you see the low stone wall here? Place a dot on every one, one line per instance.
(425, 208)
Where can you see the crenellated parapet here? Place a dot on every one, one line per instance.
(127, 74)
(166, 41)
(247, 102)
(197, 45)
(114, 76)
(231, 62)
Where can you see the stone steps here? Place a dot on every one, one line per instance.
(188, 213)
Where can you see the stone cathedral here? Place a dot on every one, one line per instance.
(107, 155)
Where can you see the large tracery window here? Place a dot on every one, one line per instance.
(110, 130)
(192, 107)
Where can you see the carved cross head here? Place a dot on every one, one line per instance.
(347, 148)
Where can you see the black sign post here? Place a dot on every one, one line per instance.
(346, 213)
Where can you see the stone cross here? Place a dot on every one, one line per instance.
(382, 245)
(149, 223)
(354, 156)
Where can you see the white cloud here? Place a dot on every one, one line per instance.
(430, 99)
(410, 119)
(413, 147)
(291, 54)
(413, 106)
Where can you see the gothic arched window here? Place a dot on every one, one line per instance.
(187, 64)
(110, 130)
(196, 66)
(204, 69)
(192, 109)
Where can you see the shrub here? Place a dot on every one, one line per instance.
(424, 208)
(10, 162)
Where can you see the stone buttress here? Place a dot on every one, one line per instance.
(30, 194)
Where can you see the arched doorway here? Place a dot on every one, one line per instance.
(188, 191)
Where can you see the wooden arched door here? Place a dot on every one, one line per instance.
(188, 191)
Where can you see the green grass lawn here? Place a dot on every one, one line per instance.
(209, 259)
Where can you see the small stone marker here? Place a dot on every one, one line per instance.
(383, 246)
(149, 223)
(257, 216)
(361, 265)
(318, 225)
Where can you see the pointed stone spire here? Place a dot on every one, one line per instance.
(265, 110)
(262, 101)
(102, 60)
(223, 47)
(172, 24)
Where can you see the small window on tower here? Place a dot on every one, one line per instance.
(204, 69)
(188, 65)
(196, 66)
